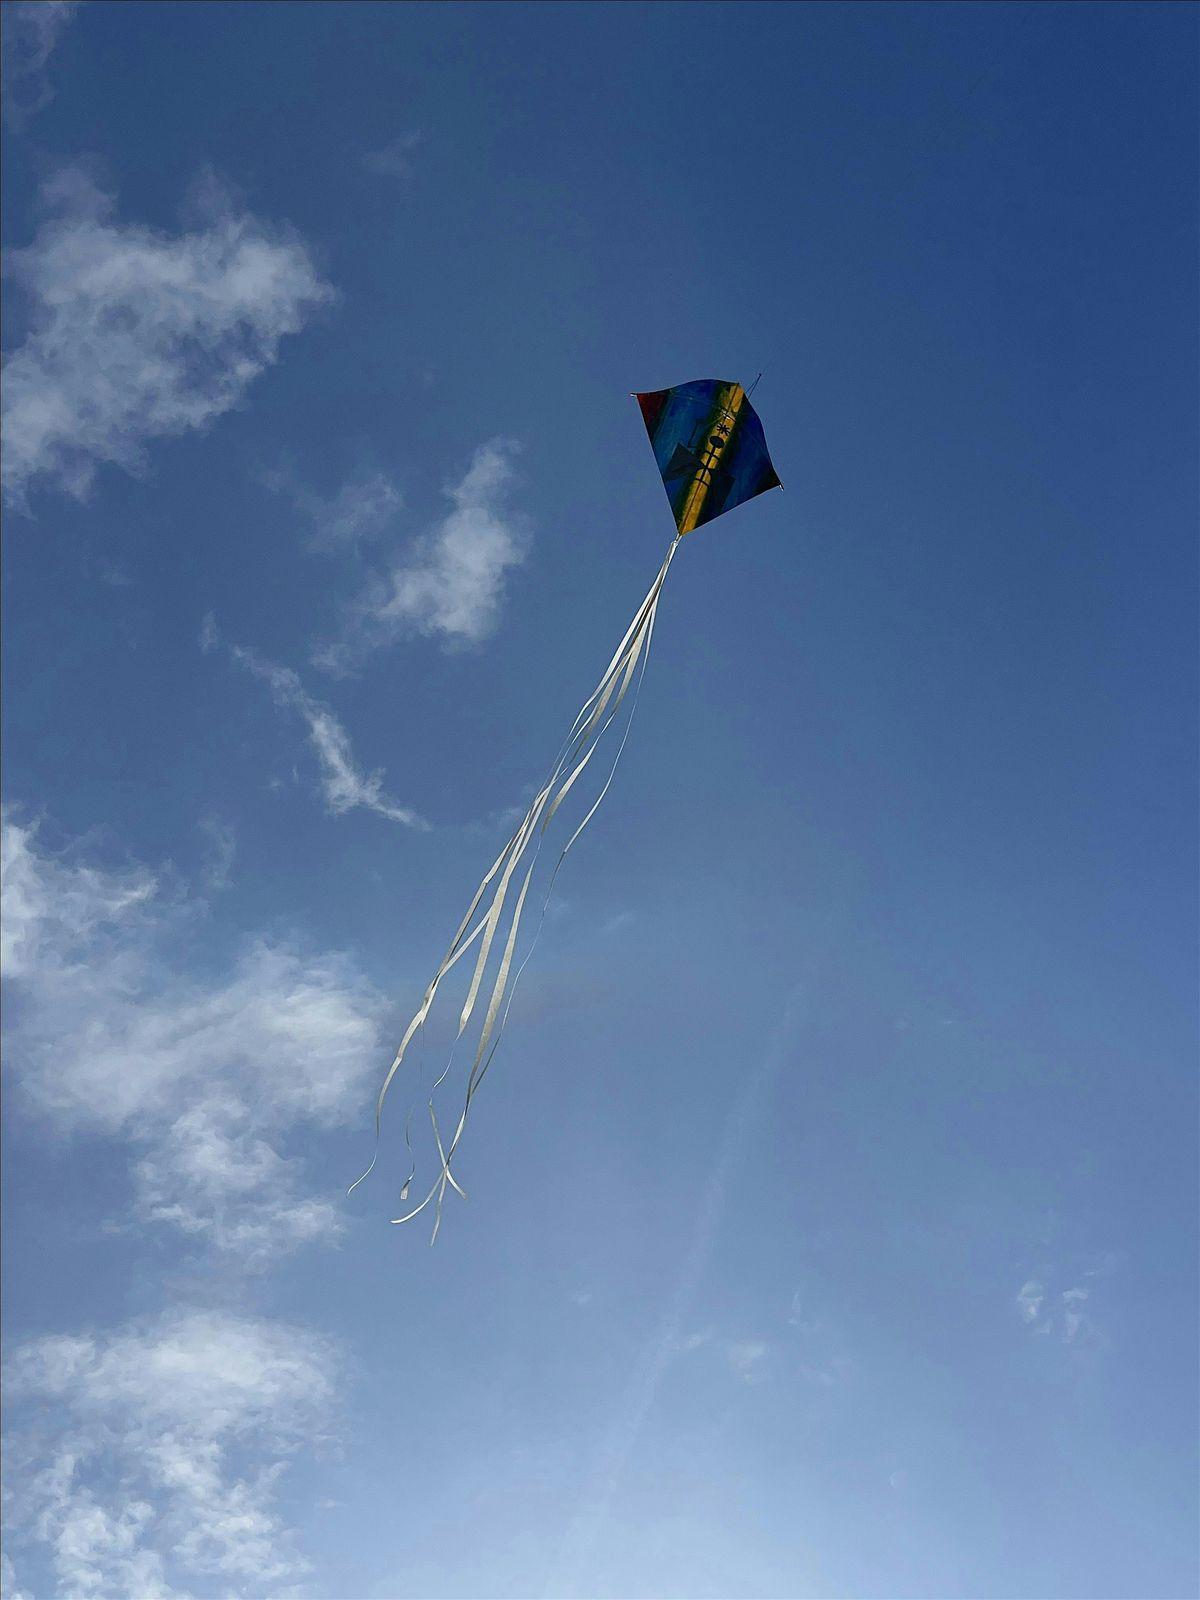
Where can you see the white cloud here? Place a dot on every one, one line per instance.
(1062, 1314)
(46, 910)
(31, 31)
(452, 583)
(1103, 1265)
(796, 1317)
(221, 840)
(395, 159)
(9, 1588)
(1075, 1319)
(826, 1376)
(746, 1357)
(207, 1373)
(213, 1176)
(1029, 1300)
(137, 334)
(820, 1359)
(163, 1442)
(343, 786)
(97, 1549)
(205, 1079)
(361, 510)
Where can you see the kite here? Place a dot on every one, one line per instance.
(712, 455)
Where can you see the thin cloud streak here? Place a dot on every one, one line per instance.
(343, 786)
(394, 159)
(361, 510)
(668, 1340)
(1029, 1300)
(221, 839)
(31, 31)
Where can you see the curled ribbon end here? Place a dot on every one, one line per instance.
(363, 1175)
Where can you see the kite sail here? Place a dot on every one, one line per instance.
(710, 449)
(712, 455)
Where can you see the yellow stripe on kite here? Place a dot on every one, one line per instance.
(729, 403)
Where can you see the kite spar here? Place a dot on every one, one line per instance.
(711, 452)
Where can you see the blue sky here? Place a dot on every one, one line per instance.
(832, 1219)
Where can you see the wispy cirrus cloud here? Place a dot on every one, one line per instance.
(450, 584)
(1029, 1301)
(1062, 1312)
(822, 1360)
(394, 159)
(32, 28)
(361, 510)
(136, 334)
(747, 1357)
(204, 1079)
(9, 1587)
(220, 839)
(1075, 1320)
(668, 1340)
(343, 786)
(147, 1458)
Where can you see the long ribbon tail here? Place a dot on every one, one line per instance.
(587, 730)
(480, 1070)
(638, 654)
(439, 1185)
